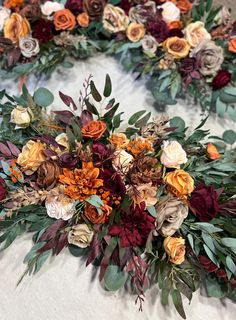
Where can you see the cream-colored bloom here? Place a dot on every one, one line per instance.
(195, 33)
(80, 235)
(49, 7)
(149, 44)
(223, 16)
(22, 117)
(63, 140)
(142, 12)
(171, 213)
(4, 14)
(143, 193)
(169, 12)
(173, 155)
(122, 161)
(29, 47)
(114, 19)
(59, 206)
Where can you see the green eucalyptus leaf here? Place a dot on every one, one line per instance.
(108, 86)
(96, 95)
(114, 278)
(135, 117)
(229, 136)
(43, 97)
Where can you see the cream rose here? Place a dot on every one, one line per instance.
(149, 44)
(63, 140)
(114, 19)
(142, 12)
(59, 206)
(171, 213)
(173, 155)
(4, 15)
(223, 16)
(29, 47)
(80, 235)
(143, 193)
(49, 7)
(169, 12)
(122, 161)
(22, 117)
(195, 33)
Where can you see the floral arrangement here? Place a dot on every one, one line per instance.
(184, 47)
(149, 204)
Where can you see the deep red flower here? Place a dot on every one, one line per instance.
(207, 264)
(67, 160)
(75, 6)
(221, 273)
(42, 30)
(221, 80)
(100, 150)
(134, 228)
(112, 181)
(158, 29)
(188, 70)
(204, 202)
(125, 5)
(2, 189)
(176, 33)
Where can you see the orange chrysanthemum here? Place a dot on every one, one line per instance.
(81, 183)
(139, 145)
(13, 3)
(16, 174)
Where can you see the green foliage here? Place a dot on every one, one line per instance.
(43, 97)
(114, 278)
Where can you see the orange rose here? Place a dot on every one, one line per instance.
(179, 183)
(119, 140)
(176, 24)
(13, 3)
(16, 27)
(232, 45)
(83, 19)
(92, 214)
(177, 47)
(64, 20)
(184, 5)
(135, 31)
(94, 129)
(175, 249)
(212, 152)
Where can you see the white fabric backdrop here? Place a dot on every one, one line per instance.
(64, 289)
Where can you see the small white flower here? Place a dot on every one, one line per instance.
(49, 7)
(29, 47)
(122, 161)
(173, 155)
(59, 206)
(149, 44)
(169, 12)
(4, 14)
(21, 116)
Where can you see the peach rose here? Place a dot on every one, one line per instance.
(179, 182)
(212, 152)
(176, 24)
(114, 19)
(64, 20)
(175, 249)
(94, 129)
(94, 216)
(143, 193)
(16, 27)
(177, 47)
(195, 33)
(31, 156)
(119, 140)
(83, 20)
(232, 45)
(135, 31)
(184, 5)
(173, 155)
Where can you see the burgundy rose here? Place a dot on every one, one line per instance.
(158, 29)
(134, 227)
(221, 273)
(2, 189)
(67, 160)
(207, 264)
(176, 33)
(113, 182)
(204, 202)
(221, 80)
(188, 70)
(125, 5)
(75, 6)
(100, 151)
(42, 30)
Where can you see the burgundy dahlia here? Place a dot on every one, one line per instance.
(75, 6)
(113, 182)
(158, 29)
(2, 189)
(125, 5)
(204, 202)
(100, 151)
(188, 70)
(221, 80)
(134, 227)
(176, 33)
(42, 30)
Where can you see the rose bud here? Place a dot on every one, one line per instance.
(221, 80)
(67, 160)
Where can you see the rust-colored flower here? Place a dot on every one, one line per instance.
(94, 216)
(178, 47)
(16, 27)
(179, 183)
(139, 145)
(119, 140)
(135, 31)
(212, 152)
(48, 173)
(64, 20)
(184, 5)
(94, 129)
(83, 20)
(81, 183)
(232, 45)
(94, 8)
(175, 249)
(176, 24)
(10, 4)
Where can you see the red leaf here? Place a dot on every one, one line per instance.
(94, 251)
(14, 150)
(67, 100)
(4, 150)
(52, 230)
(64, 116)
(62, 242)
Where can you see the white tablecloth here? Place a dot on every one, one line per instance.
(64, 289)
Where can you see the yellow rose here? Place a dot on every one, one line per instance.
(114, 19)
(179, 182)
(175, 249)
(177, 47)
(135, 31)
(31, 156)
(195, 33)
(16, 27)
(21, 116)
(119, 140)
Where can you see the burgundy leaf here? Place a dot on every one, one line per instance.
(64, 116)
(49, 153)
(52, 230)
(49, 245)
(4, 150)
(13, 148)
(67, 100)
(13, 55)
(94, 251)
(8, 205)
(62, 242)
(86, 117)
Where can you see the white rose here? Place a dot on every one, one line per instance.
(80, 235)
(114, 19)
(4, 14)
(49, 7)
(173, 155)
(223, 16)
(169, 12)
(63, 140)
(59, 206)
(29, 47)
(149, 44)
(22, 117)
(195, 33)
(122, 161)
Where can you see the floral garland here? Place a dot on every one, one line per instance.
(184, 47)
(149, 205)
